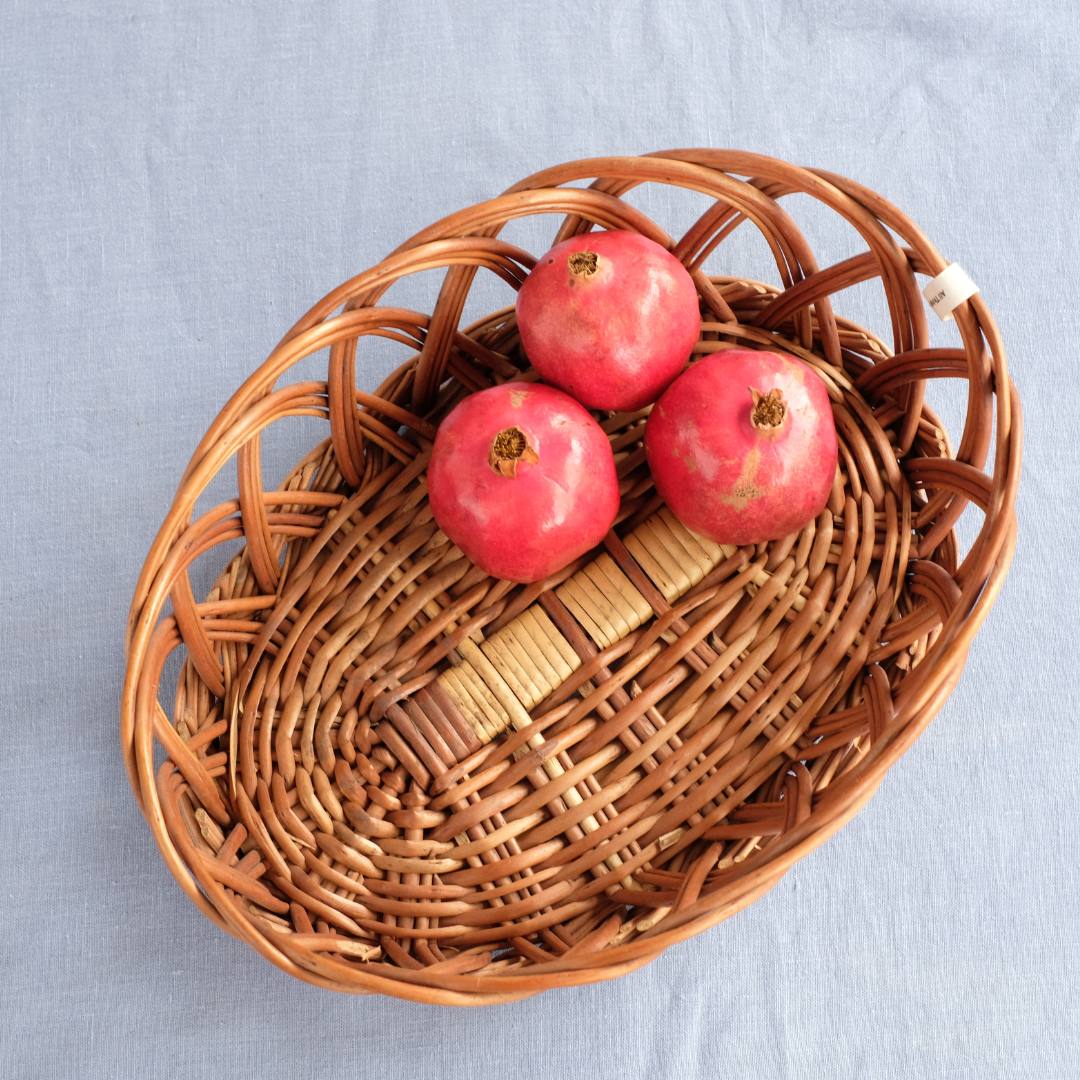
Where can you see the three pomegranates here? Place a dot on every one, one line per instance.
(741, 445)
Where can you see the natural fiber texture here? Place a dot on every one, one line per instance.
(389, 772)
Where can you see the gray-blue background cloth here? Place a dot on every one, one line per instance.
(179, 182)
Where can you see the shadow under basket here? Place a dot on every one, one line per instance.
(388, 772)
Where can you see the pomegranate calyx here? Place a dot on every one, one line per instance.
(509, 447)
(583, 264)
(769, 409)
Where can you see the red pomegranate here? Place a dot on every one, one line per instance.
(523, 480)
(742, 446)
(610, 317)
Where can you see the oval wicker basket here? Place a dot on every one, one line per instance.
(388, 772)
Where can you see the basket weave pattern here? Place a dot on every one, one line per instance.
(388, 772)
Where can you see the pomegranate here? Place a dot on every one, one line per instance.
(743, 446)
(610, 317)
(523, 480)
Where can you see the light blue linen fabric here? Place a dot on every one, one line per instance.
(179, 181)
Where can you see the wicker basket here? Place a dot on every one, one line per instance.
(388, 772)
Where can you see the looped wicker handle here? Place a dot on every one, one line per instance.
(431, 364)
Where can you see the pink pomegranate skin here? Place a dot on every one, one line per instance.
(523, 480)
(743, 447)
(612, 329)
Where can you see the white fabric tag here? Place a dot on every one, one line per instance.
(948, 290)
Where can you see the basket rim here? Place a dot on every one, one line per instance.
(924, 690)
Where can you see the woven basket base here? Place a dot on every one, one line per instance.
(412, 729)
